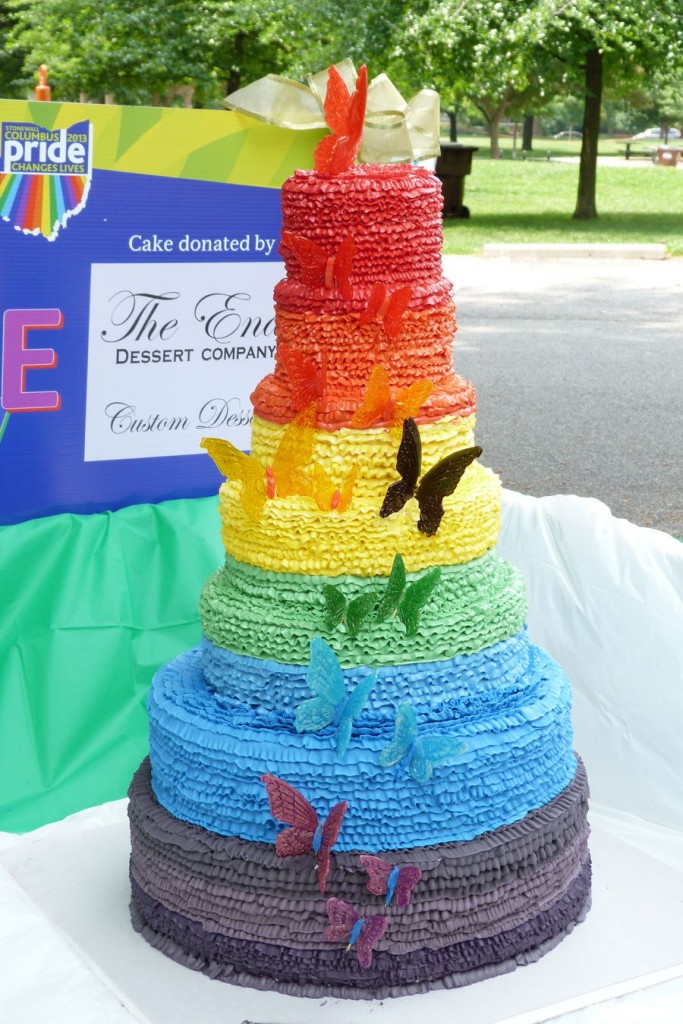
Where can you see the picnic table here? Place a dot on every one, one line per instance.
(659, 154)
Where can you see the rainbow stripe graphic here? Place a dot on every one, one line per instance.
(38, 191)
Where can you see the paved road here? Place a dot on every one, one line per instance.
(578, 366)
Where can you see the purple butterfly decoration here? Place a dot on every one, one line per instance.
(390, 879)
(347, 926)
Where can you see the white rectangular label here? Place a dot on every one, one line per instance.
(174, 352)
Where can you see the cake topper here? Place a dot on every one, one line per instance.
(320, 268)
(422, 753)
(379, 404)
(441, 480)
(344, 115)
(332, 704)
(390, 880)
(347, 926)
(307, 834)
(388, 308)
(394, 131)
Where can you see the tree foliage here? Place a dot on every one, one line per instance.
(503, 57)
(142, 53)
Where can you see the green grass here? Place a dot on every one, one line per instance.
(533, 200)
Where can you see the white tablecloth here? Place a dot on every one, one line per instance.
(606, 599)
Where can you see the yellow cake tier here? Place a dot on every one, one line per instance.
(293, 535)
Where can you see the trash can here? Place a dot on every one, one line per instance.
(452, 165)
(666, 156)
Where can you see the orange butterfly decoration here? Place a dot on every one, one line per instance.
(344, 114)
(320, 269)
(379, 404)
(306, 379)
(389, 309)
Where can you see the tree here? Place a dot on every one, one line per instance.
(479, 53)
(11, 61)
(134, 51)
(603, 42)
(508, 56)
(146, 53)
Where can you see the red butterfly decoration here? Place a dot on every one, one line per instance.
(344, 114)
(306, 378)
(319, 269)
(387, 879)
(307, 833)
(346, 926)
(387, 308)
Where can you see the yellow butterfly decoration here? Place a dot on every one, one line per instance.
(379, 404)
(284, 477)
(329, 497)
(287, 475)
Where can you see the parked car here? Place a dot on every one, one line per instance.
(657, 133)
(571, 134)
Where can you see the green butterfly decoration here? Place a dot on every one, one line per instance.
(353, 613)
(405, 600)
(408, 601)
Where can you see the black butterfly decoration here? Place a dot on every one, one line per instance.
(438, 483)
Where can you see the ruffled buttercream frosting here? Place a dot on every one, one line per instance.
(395, 221)
(499, 831)
(495, 678)
(292, 534)
(208, 758)
(244, 892)
(264, 614)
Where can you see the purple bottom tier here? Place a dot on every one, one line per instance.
(236, 911)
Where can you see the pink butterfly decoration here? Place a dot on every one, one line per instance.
(384, 878)
(307, 833)
(347, 926)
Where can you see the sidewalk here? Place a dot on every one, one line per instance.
(578, 366)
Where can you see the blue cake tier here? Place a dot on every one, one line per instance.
(496, 679)
(208, 757)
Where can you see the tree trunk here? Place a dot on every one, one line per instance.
(588, 163)
(452, 124)
(527, 133)
(494, 136)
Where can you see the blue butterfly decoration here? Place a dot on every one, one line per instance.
(332, 705)
(423, 753)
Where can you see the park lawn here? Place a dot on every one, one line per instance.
(533, 200)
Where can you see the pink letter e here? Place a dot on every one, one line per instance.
(17, 358)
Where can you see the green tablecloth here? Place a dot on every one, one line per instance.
(91, 606)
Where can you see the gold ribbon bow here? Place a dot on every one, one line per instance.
(393, 132)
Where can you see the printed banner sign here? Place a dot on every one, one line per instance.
(138, 256)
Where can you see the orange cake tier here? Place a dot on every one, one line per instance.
(343, 353)
(292, 534)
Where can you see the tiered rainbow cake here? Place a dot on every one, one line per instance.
(362, 783)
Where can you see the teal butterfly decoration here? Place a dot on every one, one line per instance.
(332, 704)
(407, 601)
(423, 753)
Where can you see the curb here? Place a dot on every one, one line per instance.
(559, 250)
